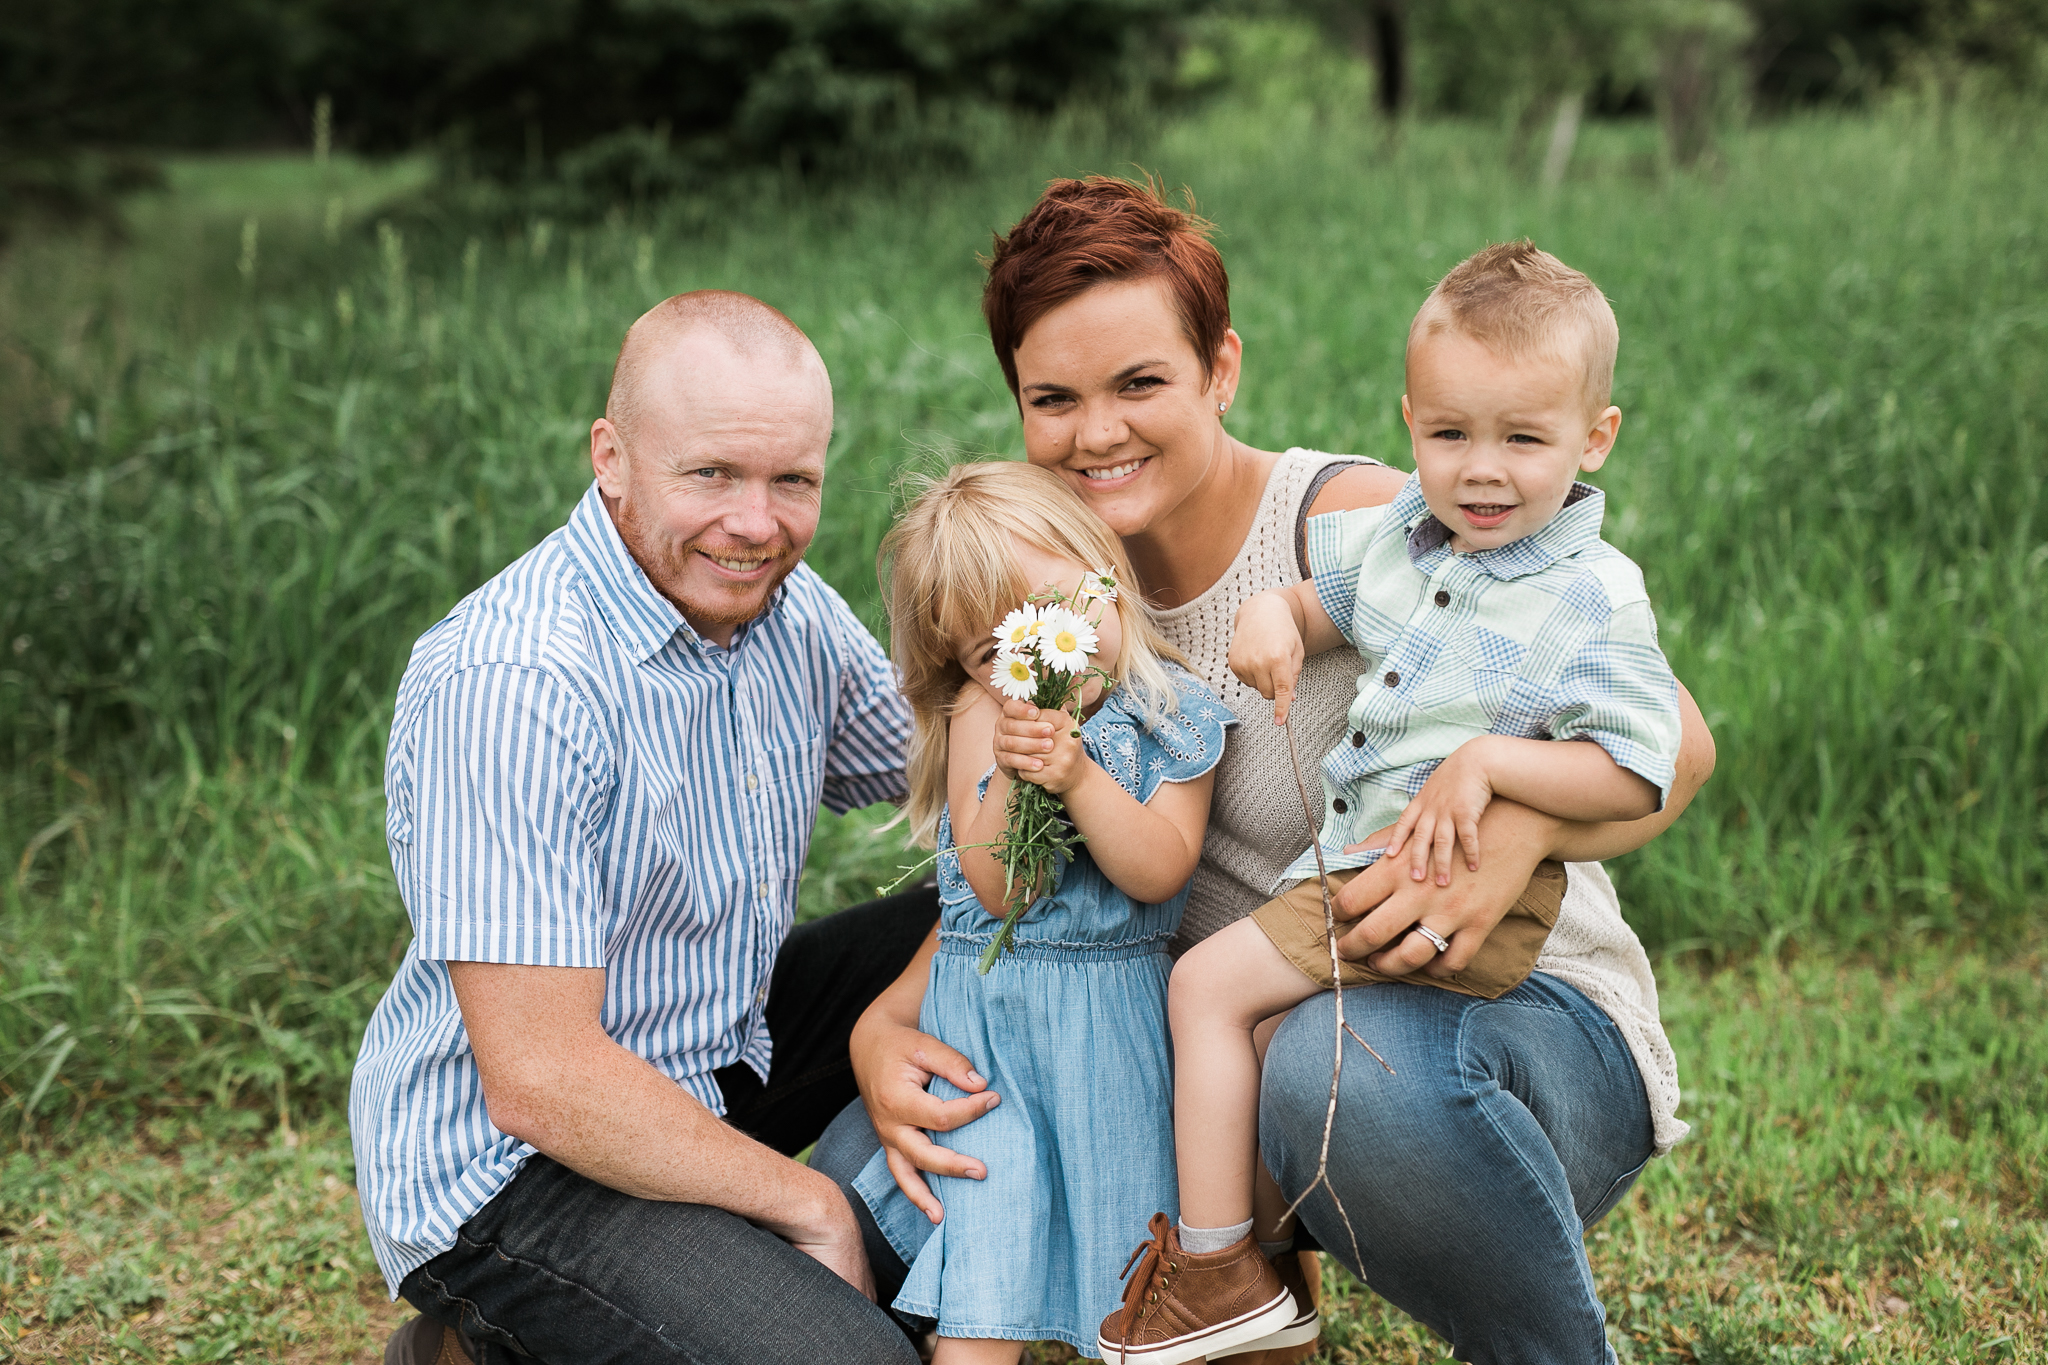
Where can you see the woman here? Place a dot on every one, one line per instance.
(1510, 1126)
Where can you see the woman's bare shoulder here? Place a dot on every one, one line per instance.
(1362, 485)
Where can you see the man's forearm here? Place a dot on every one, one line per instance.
(625, 1125)
(553, 1078)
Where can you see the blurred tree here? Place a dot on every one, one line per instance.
(632, 88)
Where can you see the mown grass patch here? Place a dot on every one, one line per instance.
(1867, 1180)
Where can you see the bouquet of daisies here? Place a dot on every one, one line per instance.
(1042, 655)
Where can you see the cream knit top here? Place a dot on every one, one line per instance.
(1256, 826)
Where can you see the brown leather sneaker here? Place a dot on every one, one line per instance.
(1180, 1307)
(1302, 1273)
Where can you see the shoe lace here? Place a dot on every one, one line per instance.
(1149, 1256)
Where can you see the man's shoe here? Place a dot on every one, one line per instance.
(1302, 1273)
(426, 1342)
(1180, 1307)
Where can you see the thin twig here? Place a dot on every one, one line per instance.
(1336, 980)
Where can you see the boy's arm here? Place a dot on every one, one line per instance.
(1573, 780)
(1562, 778)
(1276, 630)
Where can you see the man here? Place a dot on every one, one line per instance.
(604, 769)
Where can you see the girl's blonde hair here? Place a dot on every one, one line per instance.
(947, 572)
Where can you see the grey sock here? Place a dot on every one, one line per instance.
(1272, 1249)
(1200, 1241)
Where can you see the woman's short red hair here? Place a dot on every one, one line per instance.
(1102, 230)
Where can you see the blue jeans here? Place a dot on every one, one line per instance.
(560, 1269)
(1470, 1176)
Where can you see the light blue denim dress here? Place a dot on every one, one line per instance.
(1069, 1027)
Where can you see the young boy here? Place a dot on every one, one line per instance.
(1493, 621)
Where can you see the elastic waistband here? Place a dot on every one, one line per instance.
(1053, 950)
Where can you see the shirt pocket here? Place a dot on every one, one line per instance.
(791, 772)
(1511, 703)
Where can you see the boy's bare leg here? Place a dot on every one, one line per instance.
(1219, 993)
(977, 1351)
(1270, 1222)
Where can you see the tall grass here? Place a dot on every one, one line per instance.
(222, 536)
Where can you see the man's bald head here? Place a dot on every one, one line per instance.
(655, 368)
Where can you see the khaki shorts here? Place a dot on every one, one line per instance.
(1295, 924)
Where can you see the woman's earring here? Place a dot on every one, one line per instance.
(1222, 408)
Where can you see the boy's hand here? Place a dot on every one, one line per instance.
(1445, 813)
(1266, 651)
(1040, 747)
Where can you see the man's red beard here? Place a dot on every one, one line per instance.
(667, 568)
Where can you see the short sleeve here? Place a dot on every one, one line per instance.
(864, 762)
(1619, 692)
(1142, 750)
(509, 780)
(1337, 544)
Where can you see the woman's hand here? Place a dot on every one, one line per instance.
(1040, 747)
(1464, 912)
(892, 1064)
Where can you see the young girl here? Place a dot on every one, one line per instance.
(1069, 1026)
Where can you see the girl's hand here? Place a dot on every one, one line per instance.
(1266, 650)
(1041, 747)
(1445, 813)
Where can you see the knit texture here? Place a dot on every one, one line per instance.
(1256, 826)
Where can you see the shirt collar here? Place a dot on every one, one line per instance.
(1575, 527)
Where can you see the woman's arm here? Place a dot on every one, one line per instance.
(1516, 839)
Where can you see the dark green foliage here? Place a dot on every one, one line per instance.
(520, 83)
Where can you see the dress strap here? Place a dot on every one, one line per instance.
(1315, 486)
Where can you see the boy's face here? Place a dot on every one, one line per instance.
(1498, 441)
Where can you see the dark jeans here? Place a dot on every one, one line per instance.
(561, 1269)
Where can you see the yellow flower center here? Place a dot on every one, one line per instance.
(1020, 670)
(1065, 642)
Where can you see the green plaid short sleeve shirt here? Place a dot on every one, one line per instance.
(1550, 637)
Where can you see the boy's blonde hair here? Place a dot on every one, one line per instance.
(1521, 301)
(947, 572)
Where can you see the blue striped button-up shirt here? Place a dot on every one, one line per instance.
(576, 778)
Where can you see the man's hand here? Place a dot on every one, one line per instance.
(1266, 649)
(1465, 912)
(892, 1064)
(1444, 814)
(833, 1241)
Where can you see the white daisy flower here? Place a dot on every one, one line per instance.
(1098, 585)
(1065, 639)
(1018, 629)
(1013, 677)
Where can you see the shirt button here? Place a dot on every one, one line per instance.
(762, 890)
(1392, 680)
(1443, 599)
(1339, 806)
(753, 781)
(761, 995)
(1358, 739)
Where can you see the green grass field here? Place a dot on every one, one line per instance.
(256, 449)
